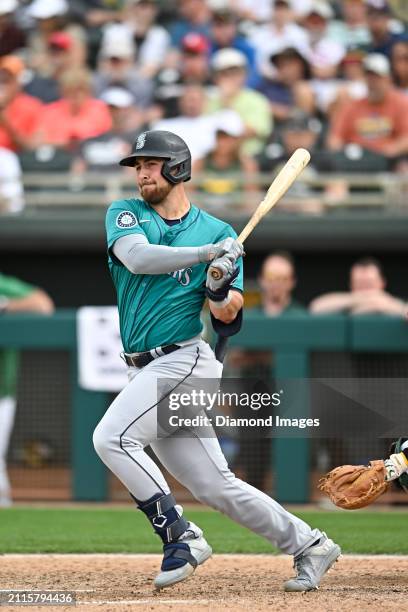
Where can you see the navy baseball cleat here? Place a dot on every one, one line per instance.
(312, 564)
(182, 557)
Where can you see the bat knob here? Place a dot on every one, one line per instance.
(215, 273)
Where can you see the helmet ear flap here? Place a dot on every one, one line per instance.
(176, 171)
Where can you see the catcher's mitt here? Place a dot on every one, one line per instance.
(355, 486)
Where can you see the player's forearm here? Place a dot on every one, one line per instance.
(226, 312)
(140, 257)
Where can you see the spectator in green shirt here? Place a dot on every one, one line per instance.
(230, 75)
(15, 296)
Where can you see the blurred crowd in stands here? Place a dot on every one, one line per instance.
(244, 82)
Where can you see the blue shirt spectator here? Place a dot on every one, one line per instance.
(379, 22)
(194, 16)
(224, 34)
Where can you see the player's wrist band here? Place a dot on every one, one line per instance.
(222, 303)
(219, 295)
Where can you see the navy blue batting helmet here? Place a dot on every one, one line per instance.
(167, 146)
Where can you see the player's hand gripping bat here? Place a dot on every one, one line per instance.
(289, 173)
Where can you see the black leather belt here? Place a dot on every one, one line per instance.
(140, 360)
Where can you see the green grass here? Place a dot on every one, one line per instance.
(92, 530)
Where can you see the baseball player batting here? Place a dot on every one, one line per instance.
(160, 248)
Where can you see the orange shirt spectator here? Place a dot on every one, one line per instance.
(60, 126)
(373, 126)
(378, 122)
(76, 116)
(22, 115)
(19, 112)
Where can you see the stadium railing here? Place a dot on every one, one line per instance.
(95, 189)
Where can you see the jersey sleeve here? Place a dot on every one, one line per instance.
(229, 232)
(14, 288)
(122, 219)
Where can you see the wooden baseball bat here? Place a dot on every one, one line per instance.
(279, 186)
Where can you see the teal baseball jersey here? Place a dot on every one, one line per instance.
(160, 309)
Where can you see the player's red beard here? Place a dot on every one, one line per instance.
(153, 194)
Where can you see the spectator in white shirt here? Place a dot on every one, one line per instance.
(325, 55)
(324, 52)
(352, 29)
(280, 32)
(262, 10)
(11, 187)
(192, 125)
(152, 40)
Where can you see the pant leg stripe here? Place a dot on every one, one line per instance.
(147, 410)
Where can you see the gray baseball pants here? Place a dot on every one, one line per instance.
(130, 424)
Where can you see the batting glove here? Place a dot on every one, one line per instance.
(217, 290)
(229, 246)
(395, 466)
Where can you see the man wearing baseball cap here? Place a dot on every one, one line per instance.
(60, 59)
(323, 53)
(103, 152)
(117, 67)
(230, 76)
(193, 68)
(377, 123)
(19, 112)
(229, 176)
(48, 9)
(289, 88)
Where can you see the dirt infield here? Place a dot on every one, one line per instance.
(225, 582)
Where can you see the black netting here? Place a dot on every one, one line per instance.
(380, 367)
(39, 451)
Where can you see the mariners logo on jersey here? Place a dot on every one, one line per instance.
(182, 276)
(126, 219)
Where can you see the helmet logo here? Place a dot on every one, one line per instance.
(140, 142)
